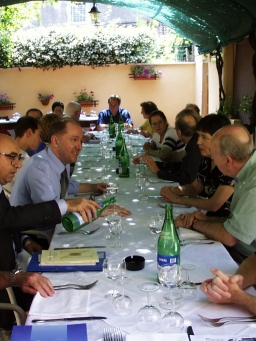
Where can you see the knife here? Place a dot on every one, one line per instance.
(189, 332)
(82, 247)
(83, 318)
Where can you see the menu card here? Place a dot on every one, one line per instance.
(69, 257)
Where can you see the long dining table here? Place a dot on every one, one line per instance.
(136, 240)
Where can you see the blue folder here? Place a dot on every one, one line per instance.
(34, 265)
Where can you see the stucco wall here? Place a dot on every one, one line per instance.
(170, 93)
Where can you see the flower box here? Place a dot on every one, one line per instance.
(7, 106)
(139, 78)
(93, 103)
(45, 101)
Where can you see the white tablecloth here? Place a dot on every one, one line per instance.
(136, 239)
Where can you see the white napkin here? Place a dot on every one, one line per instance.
(157, 337)
(188, 233)
(69, 302)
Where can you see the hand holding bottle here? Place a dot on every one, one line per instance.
(86, 208)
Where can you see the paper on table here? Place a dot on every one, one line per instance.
(188, 233)
(73, 303)
(157, 337)
(230, 337)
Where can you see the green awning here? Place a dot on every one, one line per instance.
(207, 23)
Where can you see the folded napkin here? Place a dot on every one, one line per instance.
(188, 233)
(65, 303)
(157, 337)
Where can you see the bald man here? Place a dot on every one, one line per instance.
(73, 110)
(232, 150)
(185, 171)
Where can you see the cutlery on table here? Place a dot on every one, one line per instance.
(200, 241)
(81, 247)
(228, 320)
(190, 332)
(79, 231)
(112, 335)
(74, 286)
(83, 318)
(164, 181)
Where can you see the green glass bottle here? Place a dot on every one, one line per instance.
(168, 246)
(111, 128)
(119, 142)
(121, 122)
(124, 162)
(74, 221)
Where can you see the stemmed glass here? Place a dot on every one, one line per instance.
(115, 225)
(92, 126)
(155, 224)
(171, 276)
(122, 303)
(141, 181)
(149, 317)
(113, 268)
(188, 288)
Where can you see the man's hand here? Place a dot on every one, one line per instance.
(127, 125)
(151, 164)
(223, 288)
(187, 219)
(137, 159)
(146, 146)
(31, 283)
(30, 246)
(86, 208)
(99, 188)
(124, 212)
(168, 193)
(93, 137)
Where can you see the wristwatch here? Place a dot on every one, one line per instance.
(12, 276)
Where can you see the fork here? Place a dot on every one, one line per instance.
(196, 242)
(107, 335)
(230, 320)
(75, 286)
(79, 231)
(118, 336)
(221, 319)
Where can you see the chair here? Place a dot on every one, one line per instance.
(19, 313)
(40, 234)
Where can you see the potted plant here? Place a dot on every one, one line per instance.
(226, 108)
(5, 102)
(245, 107)
(85, 99)
(45, 99)
(145, 72)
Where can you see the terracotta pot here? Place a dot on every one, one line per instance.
(45, 101)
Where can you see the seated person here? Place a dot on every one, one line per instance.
(46, 123)
(114, 109)
(73, 110)
(58, 108)
(28, 136)
(145, 129)
(229, 288)
(185, 171)
(210, 181)
(195, 108)
(34, 112)
(165, 143)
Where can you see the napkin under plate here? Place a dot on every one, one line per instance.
(62, 303)
(188, 233)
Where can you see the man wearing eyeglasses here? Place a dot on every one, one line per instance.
(14, 220)
(115, 111)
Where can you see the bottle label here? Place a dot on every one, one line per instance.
(163, 259)
(78, 217)
(120, 168)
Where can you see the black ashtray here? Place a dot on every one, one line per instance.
(135, 263)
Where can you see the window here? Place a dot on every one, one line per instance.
(78, 12)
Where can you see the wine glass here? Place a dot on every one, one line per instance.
(148, 317)
(122, 303)
(155, 224)
(113, 268)
(92, 126)
(115, 225)
(170, 276)
(188, 288)
(141, 181)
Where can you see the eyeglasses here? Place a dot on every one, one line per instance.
(157, 123)
(14, 159)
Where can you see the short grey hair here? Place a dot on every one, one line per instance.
(232, 146)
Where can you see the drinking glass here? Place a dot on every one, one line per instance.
(141, 181)
(122, 304)
(115, 225)
(171, 276)
(92, 126)
(155, 224)
(188, 288)
(148, 317)
(113, 268)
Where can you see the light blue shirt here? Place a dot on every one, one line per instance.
(39, 180)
